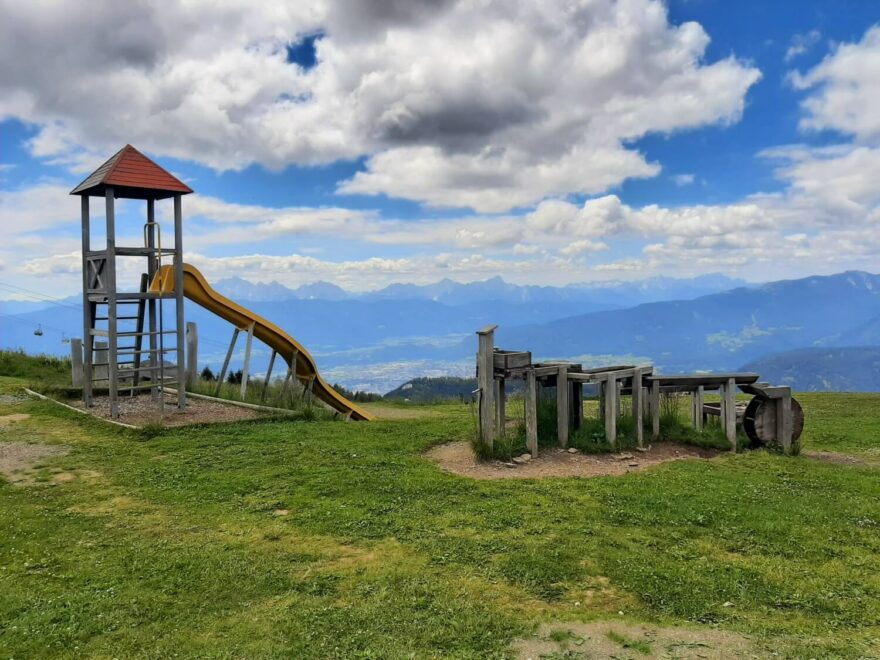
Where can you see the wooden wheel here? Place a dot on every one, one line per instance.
(759, 421)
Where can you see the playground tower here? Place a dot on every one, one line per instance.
(116, 316)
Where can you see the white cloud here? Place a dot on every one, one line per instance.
(683, 179)
(801, 44)
(846, 89)
(37, 208)
(581, 246)
(487, 105)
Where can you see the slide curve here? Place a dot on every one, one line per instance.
(197, 289)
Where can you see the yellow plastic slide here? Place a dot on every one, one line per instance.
(197, 289)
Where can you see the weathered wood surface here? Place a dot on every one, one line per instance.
(505, 360)
(763, 425)
(706, 380)
(245, 370)
(698, 408)
(485, 383)
(531, 410)
(637, 407)
(562, 405)
(500, 407)
(728, 411)
(611, 408)
(192, 353)
(576, 405)
(655, 410)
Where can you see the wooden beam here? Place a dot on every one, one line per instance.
(655, 410)
(784, 422)
(110, 268)
(152, 267)
(192, 353)
(485, 382)
(611, 408)
(531, 410)
(562, 403)
(576, 405)
(268, 376)
(694, 380)
(178, 300)
(76, 362)
(729, 411)
(698, 408)
(500, 407)
(88, 314)
(245, 370)
(637, 407)
(229, 351)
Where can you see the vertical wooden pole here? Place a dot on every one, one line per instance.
(698, 408)
(562, 403)
(500, 407)
(576, 407)
(268, 377)
(139, 328)
(784, 421)
(655, 410)
(531, 409)
(637, 407)
(611, 410)
(229, 351)
(102, 373)
(245, 370)
(729, 411)
(87, 306)
(192, 353)
(110, 268)
(178, 299)
(152, 267)
(485, 377)
(291, 373)
(76, 362)
(601, 387)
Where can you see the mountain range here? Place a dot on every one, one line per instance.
(376, 341)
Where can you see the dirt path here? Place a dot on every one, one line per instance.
(458, 458)
(140, 410)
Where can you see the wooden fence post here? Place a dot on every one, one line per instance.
(611, 408)
(698, 408)
(500, 407)
(562, 401)
(784, 421)
(531, 409)
(655, 410)
(485, 378)
(192, 353)
(637, 407)
(728, 409)
(76, 362)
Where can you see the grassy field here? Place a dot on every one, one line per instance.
(326, 539)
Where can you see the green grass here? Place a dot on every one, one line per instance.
(171, 545)
(293, 398)
(625, 642)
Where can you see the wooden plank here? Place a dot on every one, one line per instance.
(268, 376)
(531, 410)
(611, 407)
(576, 405)
(500, 407)
(655, 410)
(88, 308)
(76, 362)
(110, 267)
(152, 267)
(729, 411)
(637, 408)
(139, 328)
(562, 402)
(504, 360)
(485, 382)
(698, 408)
(694, 380)
(601, 387)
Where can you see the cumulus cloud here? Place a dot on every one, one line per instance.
(486, 105)
(801, 44)
(846, 86)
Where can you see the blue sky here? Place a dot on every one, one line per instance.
(406, 141)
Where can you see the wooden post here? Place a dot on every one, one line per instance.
(531, 408)
(576, 407)
(646, 402)
(178, 297)
(110, 268)
(152, 267)
(601, 387)
(76, 362)
(562, 403)
(784, 421)
(87, 306)
(102, 372)
(247, 360)
(268, 376)
(655, 410)
(229, 351)
(698, 408)
(637, 407)
(611, 408)
(192, 353)
(729, 411)
(485, 376)
(500, 407)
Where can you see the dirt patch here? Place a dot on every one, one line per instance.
(836, 457)
(6, 420)
(628, 641)
(141, 409)
(18, 460)
(458, 458)
(11, 399)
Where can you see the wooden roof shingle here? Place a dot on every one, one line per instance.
(132, 175)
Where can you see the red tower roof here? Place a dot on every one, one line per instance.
(132, 175)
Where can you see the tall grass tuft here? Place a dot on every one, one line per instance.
(294, 398)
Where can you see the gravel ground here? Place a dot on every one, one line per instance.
(141, 409)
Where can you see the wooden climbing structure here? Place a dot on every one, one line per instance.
(772, 416)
